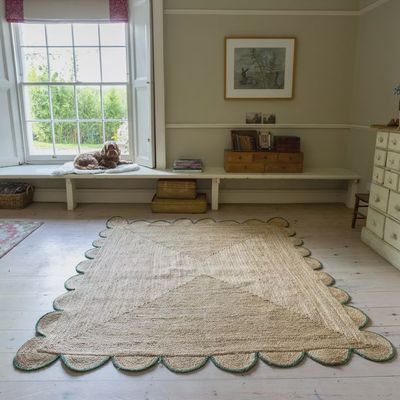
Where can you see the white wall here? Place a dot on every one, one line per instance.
(376, 72)
(345, 73)
(194, 51)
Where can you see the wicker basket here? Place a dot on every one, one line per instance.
(180, 206)
(176, 189)
(17, 200)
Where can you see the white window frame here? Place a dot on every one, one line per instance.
(32, 158)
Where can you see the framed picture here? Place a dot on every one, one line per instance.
(268, 118)
(259, 68)
(253, 118)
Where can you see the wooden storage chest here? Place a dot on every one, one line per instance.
(240, 161)
(177, 206)
(176, 189)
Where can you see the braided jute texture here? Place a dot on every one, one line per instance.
(185, 292)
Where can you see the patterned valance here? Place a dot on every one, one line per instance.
(66, 10)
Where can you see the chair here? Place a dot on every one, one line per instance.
(364, 199)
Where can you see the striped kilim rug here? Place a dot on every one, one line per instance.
(13, 232)
(184, 293)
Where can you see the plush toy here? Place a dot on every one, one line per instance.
(108, 157)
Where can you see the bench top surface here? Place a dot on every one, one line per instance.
(45, 172)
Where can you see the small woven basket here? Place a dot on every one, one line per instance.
(17, 200)
(176, 189)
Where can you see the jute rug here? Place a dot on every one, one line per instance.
(182, 293)
(14, 232)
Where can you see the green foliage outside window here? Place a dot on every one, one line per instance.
(63, 102)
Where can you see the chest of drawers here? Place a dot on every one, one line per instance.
(241, 161)
(382, 230)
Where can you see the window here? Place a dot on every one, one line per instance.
(74, 87)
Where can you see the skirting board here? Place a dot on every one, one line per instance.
(228, 196)
(388, 252)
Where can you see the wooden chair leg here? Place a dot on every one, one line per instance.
(355, 212)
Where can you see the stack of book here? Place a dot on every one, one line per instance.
(188, 165)
(244, 140)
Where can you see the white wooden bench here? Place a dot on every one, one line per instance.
(214, 174)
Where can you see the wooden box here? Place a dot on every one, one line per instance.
(239, 161)
(180, 206)
(287, 144)
(176, 189)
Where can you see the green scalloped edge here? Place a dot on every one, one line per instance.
(348, 300)
(72, 368)
(77, 267)
(300, 359)
(391, 356)
(366, 318)
(18, 367)
(257, 357)
(336, 364)
(147, 367)
(187, 370)
(37, 330)
(69, 289)
(236, 370)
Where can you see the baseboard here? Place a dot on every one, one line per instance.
(228, 196)
(387, 251)
(282, 196)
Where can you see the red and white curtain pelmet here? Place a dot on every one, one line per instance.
(66, 10)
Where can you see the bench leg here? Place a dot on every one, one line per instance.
(352, 189)
(70, 190)
(215, 193)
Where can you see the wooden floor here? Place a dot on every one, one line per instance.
(33, 273)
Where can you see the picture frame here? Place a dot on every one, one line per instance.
(259, 67)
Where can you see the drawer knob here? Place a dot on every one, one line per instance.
(380, 139)
(390, 181)
(373, 222)
(377, 199)
(394, 236)
(378, 158)
(394, 142)
(391, 162)
(397, 208)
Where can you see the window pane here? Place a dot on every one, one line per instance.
(59, 35)
(91, 136)
(66, 138)
(87, 65)
(114, 64)
(32, 35)
(115, 102)
(61, 65)
(112, 34)
(89, 102)
(86, 35)
(40, 138)
(63, 102)
(37, 102)
(34, 65)
(118, 131)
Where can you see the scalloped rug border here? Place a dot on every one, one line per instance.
(27, 359)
